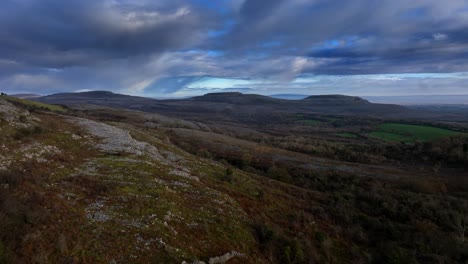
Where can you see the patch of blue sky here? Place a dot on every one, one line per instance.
(219, 6)
(211, 53)
(215, 53)
(305, 80)
(428, 75)
(219, 83)
(382, 77)
(331, 44)
(54, 70)
(228, 25)
(344, 42)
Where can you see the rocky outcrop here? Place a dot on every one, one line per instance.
(225, 258)
(219, 260)
(15, 116)
(115, 140)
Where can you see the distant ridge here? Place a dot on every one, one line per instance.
(236, 98)
(101, 98)
(91, 94)
(98, 93)
(461, 99)
(234, 103)
(240, 98)
(26, 96)
(335, 99)
(289, 96)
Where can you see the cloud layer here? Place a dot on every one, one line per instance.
(166, 48)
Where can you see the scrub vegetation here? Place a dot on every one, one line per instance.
(101, 185)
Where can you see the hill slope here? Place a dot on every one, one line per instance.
(139, 199)
(102, 185)
(102, 98)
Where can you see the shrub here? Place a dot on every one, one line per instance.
(398, 255)
(280, 174)
(320, 237)
(292, 253)
(27, 132)
(260, 194)
(204, 154)
(264, 234)
(228, 175)
(12, 178)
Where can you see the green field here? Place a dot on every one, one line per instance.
(29, 103)
(410, 133)
(311, 122)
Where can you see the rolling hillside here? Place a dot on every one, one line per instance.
(93, 184)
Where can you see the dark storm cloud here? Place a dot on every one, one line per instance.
(144, 46)
(257, 10)
(448, 56)
(352, 33)
(56, 33)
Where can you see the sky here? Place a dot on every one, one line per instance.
(180, 48)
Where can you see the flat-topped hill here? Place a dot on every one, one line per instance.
(237, 98)
(335, 99)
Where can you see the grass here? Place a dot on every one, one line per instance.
(410, 133)
(305, 120)
(390, 136)
(311, 122)
(33, 104)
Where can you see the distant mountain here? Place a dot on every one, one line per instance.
(96, 94)
(236, 98)
(335, 99)
(102, 98)
(232, 104)
(102, 95)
